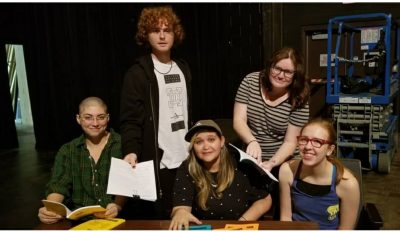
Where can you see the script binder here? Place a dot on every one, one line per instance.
(99, 224)
(246, 157)
(138, 182)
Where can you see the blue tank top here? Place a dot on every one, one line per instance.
(321, 209)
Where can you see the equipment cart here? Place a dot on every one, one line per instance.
(362, 84)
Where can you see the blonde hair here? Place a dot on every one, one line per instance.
(152, 16)
(203, 178)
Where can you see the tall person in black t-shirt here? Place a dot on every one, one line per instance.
(155, 106)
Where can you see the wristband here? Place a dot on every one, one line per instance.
(243, 218)
(254, 140)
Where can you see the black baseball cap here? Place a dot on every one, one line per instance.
(202, 124)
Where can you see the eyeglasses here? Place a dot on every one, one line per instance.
(315, 142)
(276, 70)
(91, 118)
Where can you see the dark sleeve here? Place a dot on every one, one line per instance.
(184, 187)
(132, 110)
(115, 145)
(61, 176)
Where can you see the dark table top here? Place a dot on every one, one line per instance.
(164, 224)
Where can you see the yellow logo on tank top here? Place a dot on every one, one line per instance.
(332, 210)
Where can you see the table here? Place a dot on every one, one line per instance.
(215, 224)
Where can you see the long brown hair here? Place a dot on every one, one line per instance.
(299, 90)
(203, 178)
(328, 126)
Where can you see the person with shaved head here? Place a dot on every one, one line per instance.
(80, 173)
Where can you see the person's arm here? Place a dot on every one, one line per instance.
(59, 184)
(286, 149)
(257, 209)
(113, 209)
(285, 181)
(47, 216)
(242, 129)
(349, 194)
(181, 217)
(183, 199)
(132, 110)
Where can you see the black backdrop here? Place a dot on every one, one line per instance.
(75, 50)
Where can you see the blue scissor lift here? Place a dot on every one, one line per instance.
(362, 83)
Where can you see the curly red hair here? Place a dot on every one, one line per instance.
(151, 18)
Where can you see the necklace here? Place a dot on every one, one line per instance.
(169, 70)
(213, 180)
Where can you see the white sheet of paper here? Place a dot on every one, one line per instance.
(140, 181)
(244, 155)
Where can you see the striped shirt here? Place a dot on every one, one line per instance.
(268, 123)
(78, 178)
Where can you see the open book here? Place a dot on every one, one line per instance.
(138, 182)
(63, 210)
(246, 157)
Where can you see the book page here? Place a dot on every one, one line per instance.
(84, 211)
(63, 210)
(245, 156)
(56, 207)
(132, 182)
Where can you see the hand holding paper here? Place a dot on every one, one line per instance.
(139, 182)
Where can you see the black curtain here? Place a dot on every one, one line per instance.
(75, 50)
(225, 42)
